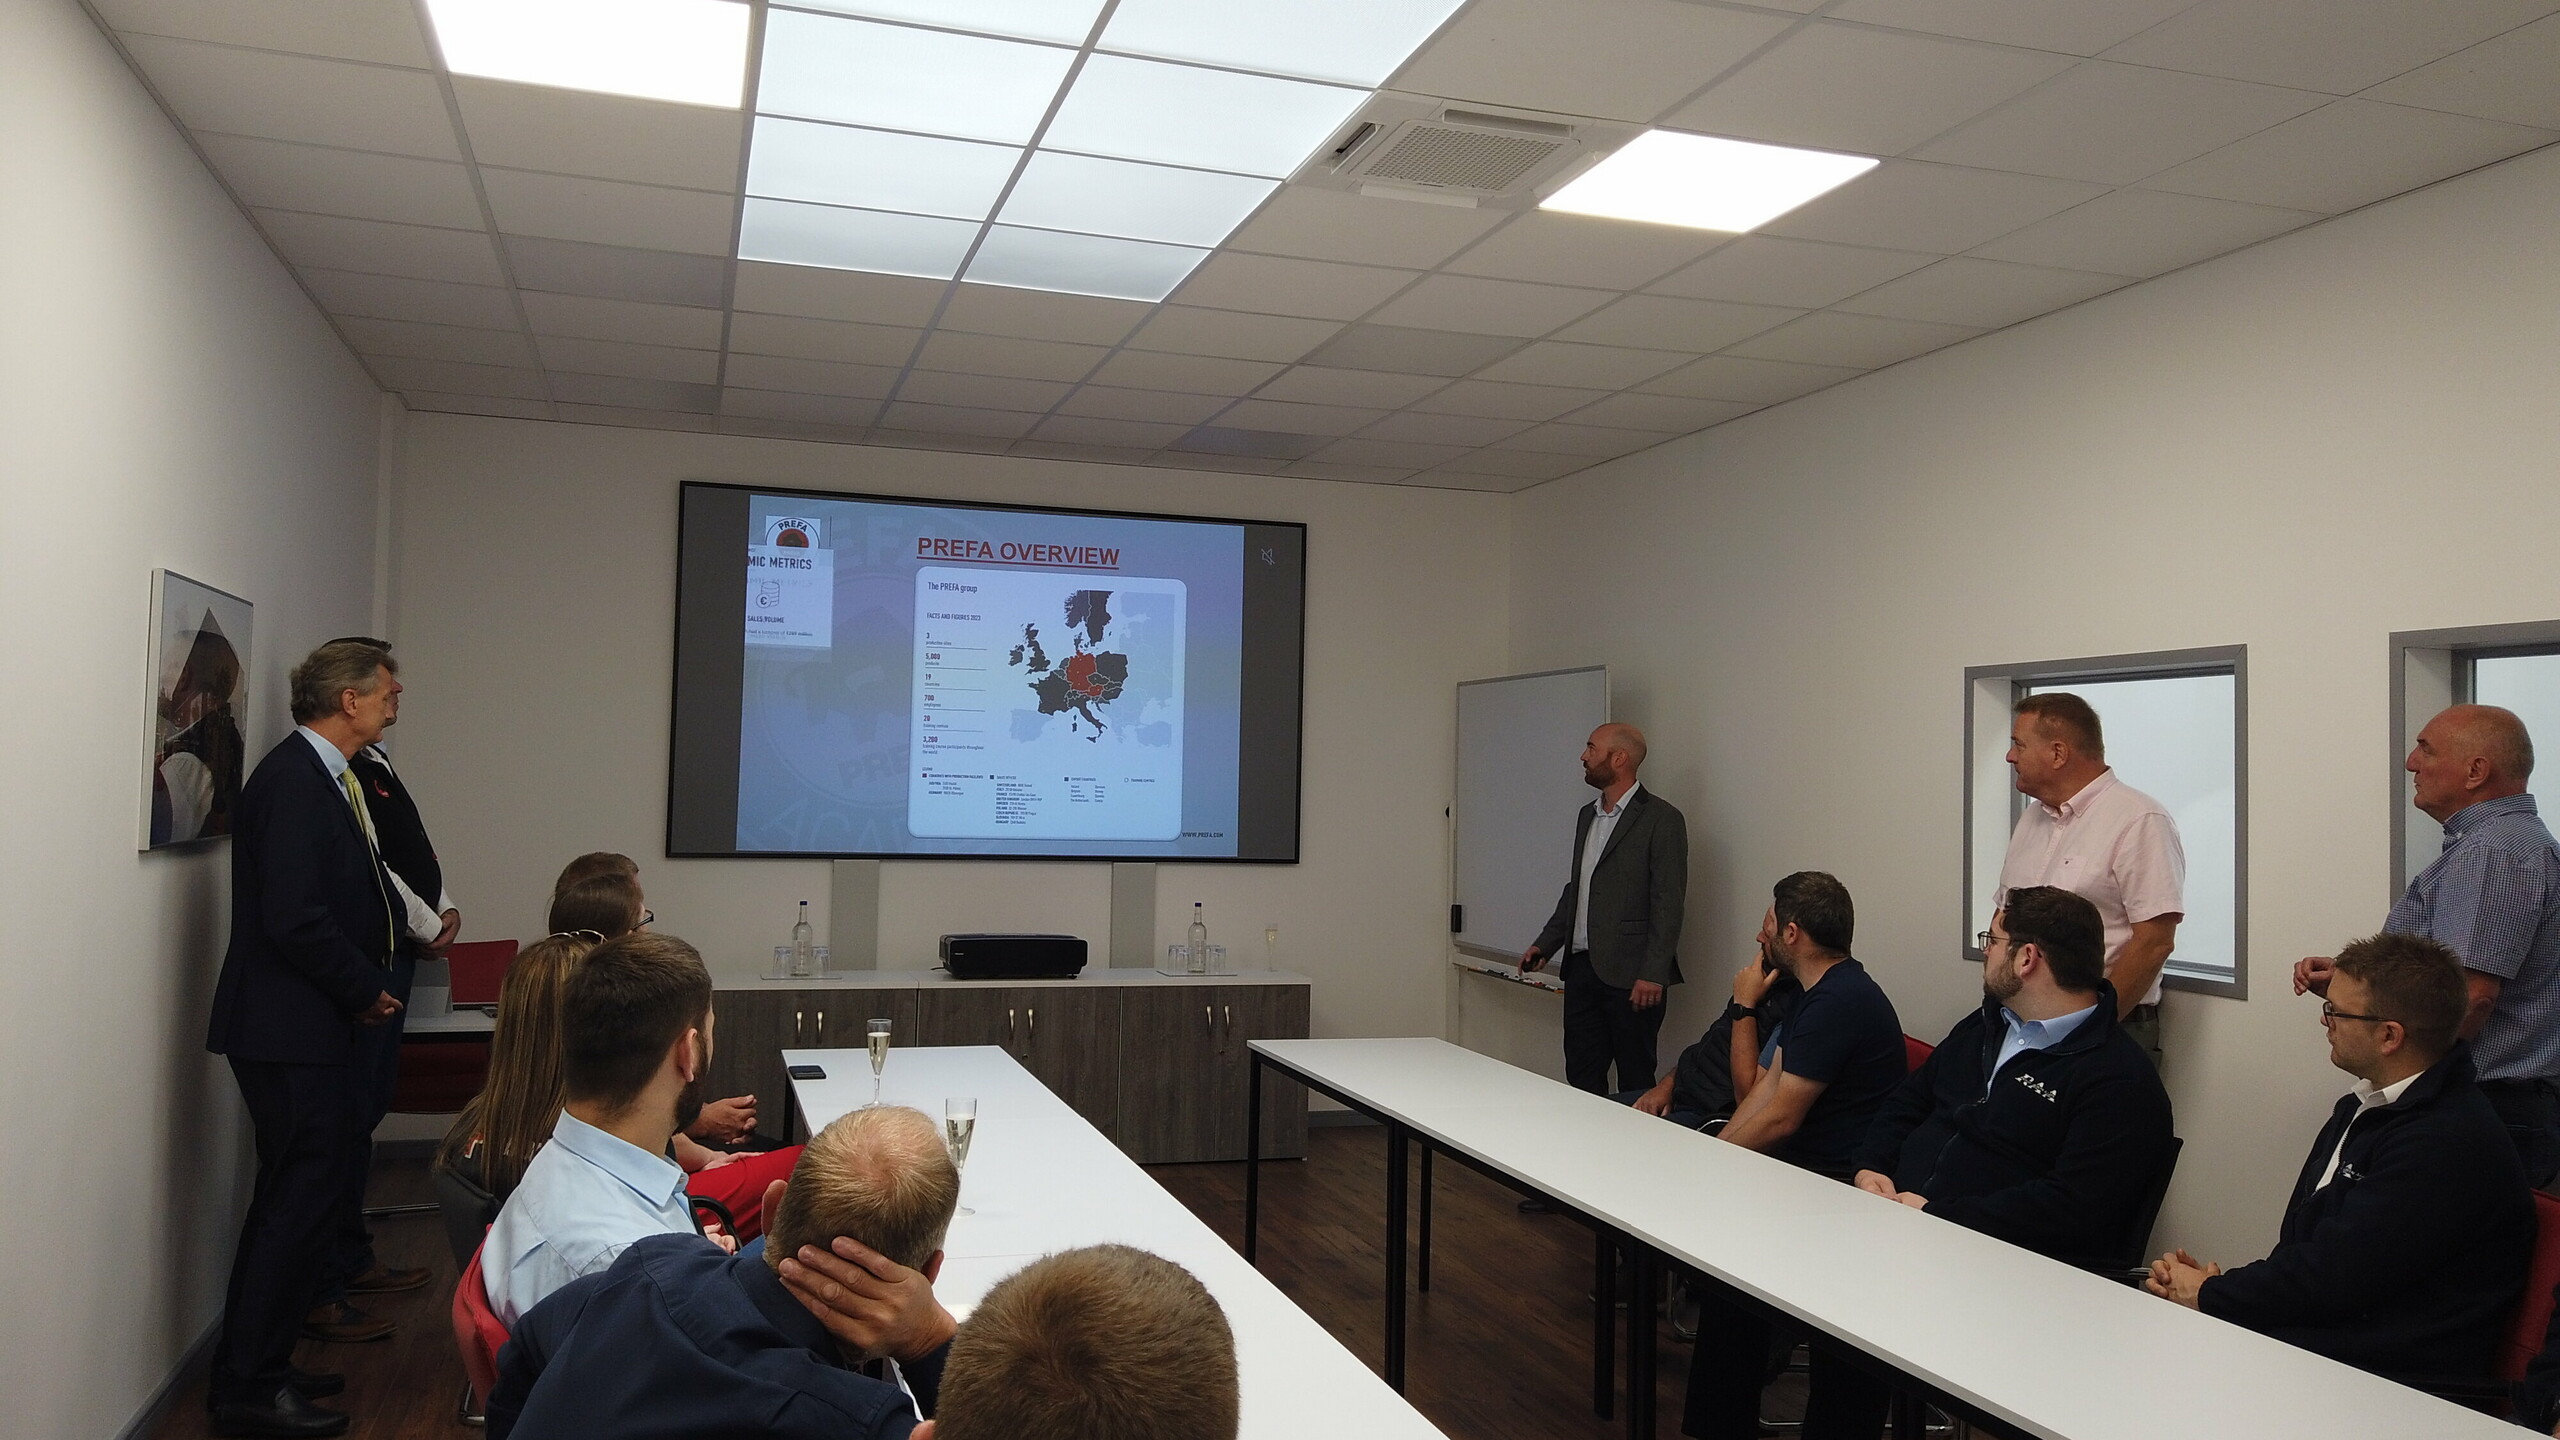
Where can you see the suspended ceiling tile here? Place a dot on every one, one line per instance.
(1042, 314)
(616, 272)
(1488, 307)
(1772, 270)
(2115, 124)
(639, 362)
(1039, 449)
(413, 340)
(1264, 445)
(1416, 352)
(632, 417)
(2340, 46)
(816, 409)
(1591, 442)
(610, 212)
(1389, 454)
(816, 377)
(609, 137)
(395, 297)
(1829, 337)
(632, 393)
(1017, 359)
(1272, 285)
(589, 318)
(982, 392)
(1496, 400)
(1311, 224)
(837, 294)
(1593, 367)
(1615, 59)
(225, 90)
(2347, 154)
(1528, 464)
(1986, 293)
(1354, 474)
(506, 406)
(1415, 427)
(1125, 434)
(1870, 92)
(1669, 322)
(456, 377)
(1280, 415)
(340, 242)
(1559, 249)
(1198, 374)
(1631, 411)
(1184, 330)
(2507, 78)
(1201, 459)
(276, 174)
(1108, 402)
(1760, 382)
(964, 442)
(805, 339)
(826, 434)
(1317, 385)
(1449, 477)
(1915, 205)
(2082, 27)
(2144, 232)
(383, 31)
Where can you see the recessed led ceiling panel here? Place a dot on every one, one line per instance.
(794, 234)
(1134, 201)
(1081, 264)
(1705, 183)
(898, 77)
(1184, 115)
(877, 169)
(1065, 21)
(693, 52)
(1355, 42)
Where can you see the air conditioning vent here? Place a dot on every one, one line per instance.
(1416, 147)
(1461, 158)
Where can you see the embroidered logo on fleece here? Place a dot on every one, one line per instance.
(2051, 1095)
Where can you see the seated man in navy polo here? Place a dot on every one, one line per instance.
(2406, 1242)
(680, 1338)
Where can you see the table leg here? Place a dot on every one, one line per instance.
(1252, 1154)
(1604, 1320)
(1396, 1217)
(1641, 1351)
(1422, 1261)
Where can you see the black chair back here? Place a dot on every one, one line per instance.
(467, 1210)
(2134, 1253)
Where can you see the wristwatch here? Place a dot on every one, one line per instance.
(1736, 1010)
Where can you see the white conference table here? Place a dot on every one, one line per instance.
(2030, 1344)
(1042, 1179)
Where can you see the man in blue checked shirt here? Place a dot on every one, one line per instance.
(2492, 897)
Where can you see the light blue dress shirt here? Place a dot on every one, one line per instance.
(587, 1195)
(2032, 1035)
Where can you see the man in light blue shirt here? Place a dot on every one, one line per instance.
(635, 1020)
(2024, 1034)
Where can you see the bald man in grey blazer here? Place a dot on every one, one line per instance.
(1617, 925)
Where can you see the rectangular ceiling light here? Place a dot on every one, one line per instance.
(692, 52)
(1067, 22)
(1664, 177)
(1184, 115)
(1081, 264)
(898, 77)
(821, 235)
(877, 169)
(1132, 201)
(1354, 42)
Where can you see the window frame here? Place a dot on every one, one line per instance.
(2431, 669)
(1985, 687)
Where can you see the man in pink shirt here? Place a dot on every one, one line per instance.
(2091, 834)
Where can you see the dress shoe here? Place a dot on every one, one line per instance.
(284, 1414)
(342, 1323)
(314, 1384)
(383, 1280)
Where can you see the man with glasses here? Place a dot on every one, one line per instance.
(2406, 1240)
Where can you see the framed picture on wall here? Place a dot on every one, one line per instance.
(196, 722)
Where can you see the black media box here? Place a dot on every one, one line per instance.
(1013, 957)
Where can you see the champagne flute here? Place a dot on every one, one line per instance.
(878, 1039)
(959, 1120)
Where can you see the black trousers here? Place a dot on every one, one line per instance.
(311, 1140)
(2531, 1109)
(374, 1069)
(1601, 1028)
(1736, 1345)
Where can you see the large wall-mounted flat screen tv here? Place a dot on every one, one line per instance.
(865, 676)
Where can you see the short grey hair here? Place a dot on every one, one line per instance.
(332, 671)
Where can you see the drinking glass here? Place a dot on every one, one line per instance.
(959, 1120)
(878, 1039)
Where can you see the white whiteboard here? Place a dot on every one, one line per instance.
(1519, 784)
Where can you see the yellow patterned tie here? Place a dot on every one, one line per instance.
(364, 822)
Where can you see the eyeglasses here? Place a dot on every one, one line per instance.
(593, 935)
(1983, 940)
(647, 918)
(2329, 1012)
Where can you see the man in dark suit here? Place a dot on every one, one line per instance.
(1617, 926)
(313, 929)
(2406, 1241)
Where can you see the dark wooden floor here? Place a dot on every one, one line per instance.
(1500, 1347)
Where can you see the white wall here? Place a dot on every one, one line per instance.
(535, 620)
(167, 398)
(2301, 447)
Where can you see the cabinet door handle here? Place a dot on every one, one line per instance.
(1231, 1022)
(796, 1017)
(1009, 1023)
(1031, 1032)
(1209, 1018)
(822, 1029)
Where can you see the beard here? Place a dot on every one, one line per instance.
(2001, 987)
(1596, 779)
(689, 1104)
(1773, 957)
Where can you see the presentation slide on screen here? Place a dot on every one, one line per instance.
(928, 679)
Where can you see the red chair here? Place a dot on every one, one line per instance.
(479, 1334)
(1916, 1052)
(479, 968)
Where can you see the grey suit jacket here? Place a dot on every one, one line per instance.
(1637, 894)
